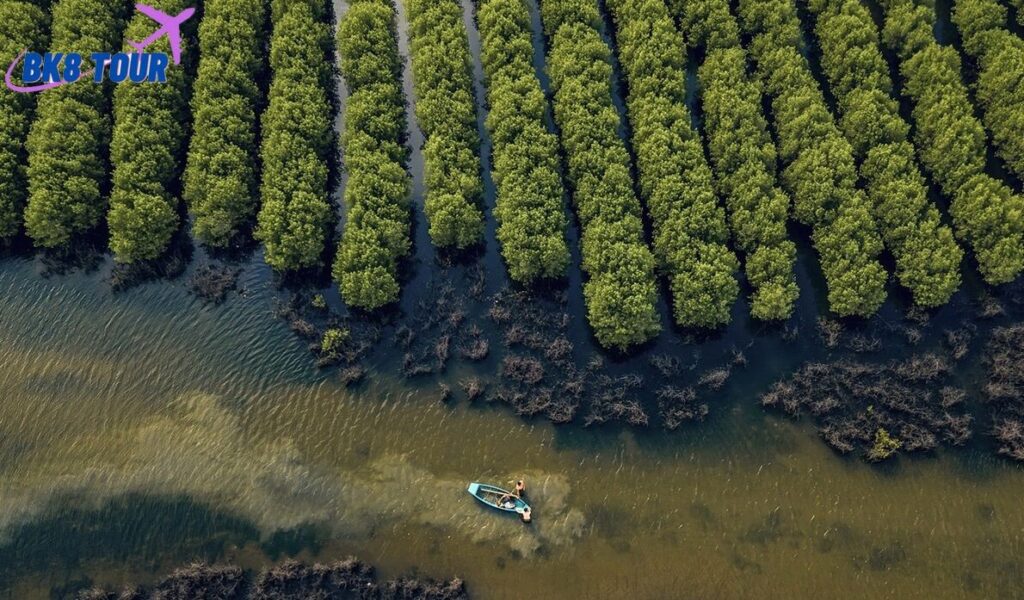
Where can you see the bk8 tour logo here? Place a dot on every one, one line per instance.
(54, 69)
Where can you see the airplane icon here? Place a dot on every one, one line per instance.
(169, 26)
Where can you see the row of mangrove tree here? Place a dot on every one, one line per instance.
(446, 109)
(22, 25)
(951, 143)
(149, 136)
(927, 256)
(621, 291)
(820, 172)
(377, 228)
(296, 213)
(744, 157)
(1000, 60)
(690, 231)
(529, 205)
(70, 135)
(220, 183)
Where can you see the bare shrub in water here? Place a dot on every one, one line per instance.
(291, 580)
(666, 364)
(959, 341)
(523, 369)
(679, 405)
(830, 331)
(851, 401)
(614, 399)
(352, 375)
(211, 283)
(1005, 389)
(715, 378)
(474, 388)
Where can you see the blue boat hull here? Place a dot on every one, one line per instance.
(489, 495)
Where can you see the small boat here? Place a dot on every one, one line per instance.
(489, 495)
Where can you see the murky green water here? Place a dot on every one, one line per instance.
(144, 429)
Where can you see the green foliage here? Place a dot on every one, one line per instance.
(885, 446)
(690, 232)
(67, 143)
(820, 173)
(531, 217)
(1000, 58)
(22, 25)
(377, 192)
(927, 256)
(621, 291)
(319, 302)
(220, 177)
(148, 139)
(443, 75)
(296, 213)
(707, 23)
(333, 341)
(744, 158)
(951, 142)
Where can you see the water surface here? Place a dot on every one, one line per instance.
(144, 429)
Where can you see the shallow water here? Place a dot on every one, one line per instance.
(143, 429)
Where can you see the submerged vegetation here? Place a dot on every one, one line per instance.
(377, 227)
(349, 578)
(1005, 389)
(878, 409)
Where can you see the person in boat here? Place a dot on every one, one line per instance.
(518, 492)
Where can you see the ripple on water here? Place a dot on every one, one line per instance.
(149, 407)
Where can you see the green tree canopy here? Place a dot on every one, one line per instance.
(529, 209)
(951, 143)
(150, 128)
(296, 213)
(69, 139)
(22, 25)
(1000, 58)
(927, 256)
(446, 109)
(820, 172)
(376, 232)
(220, 176)
(690, 230)
(620, 292)
(744, 157)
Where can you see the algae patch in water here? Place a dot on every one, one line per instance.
(200, 448)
